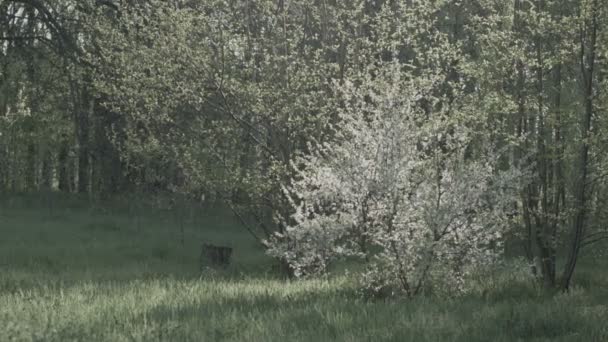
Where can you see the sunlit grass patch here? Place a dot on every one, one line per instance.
(61, 280)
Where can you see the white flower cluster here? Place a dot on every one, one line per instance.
(416, 194)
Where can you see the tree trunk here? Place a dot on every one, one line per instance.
(588, 52)
(30, 167)
(559, 194)
(62, 168)
(46, 174)
(3, 170)
(83, 146)
(543, 235)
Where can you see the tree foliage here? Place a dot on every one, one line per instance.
(330, 128)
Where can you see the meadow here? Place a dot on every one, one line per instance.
(73, 271)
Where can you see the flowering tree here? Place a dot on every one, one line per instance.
(417, 194)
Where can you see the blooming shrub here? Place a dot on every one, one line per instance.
(393, 188)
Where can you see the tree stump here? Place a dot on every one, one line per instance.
(215, 256)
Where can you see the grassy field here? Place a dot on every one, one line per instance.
(71, 272)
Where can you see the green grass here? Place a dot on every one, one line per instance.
(79, 274)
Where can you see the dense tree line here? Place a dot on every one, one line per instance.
(301, 114)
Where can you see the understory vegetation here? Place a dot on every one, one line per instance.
(79, 273)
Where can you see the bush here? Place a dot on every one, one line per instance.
(421, 198)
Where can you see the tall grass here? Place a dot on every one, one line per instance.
(94, 273)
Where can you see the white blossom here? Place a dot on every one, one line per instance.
(394, 188)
